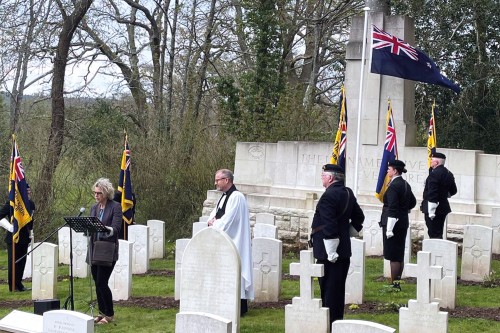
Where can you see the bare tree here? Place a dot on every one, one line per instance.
(56, 137)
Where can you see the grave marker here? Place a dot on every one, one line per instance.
(139, 236)
(156, 239)
(211, 277)
(305, 314)
(267, 258)
(476, 253)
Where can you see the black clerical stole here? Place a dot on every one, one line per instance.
(222, 210)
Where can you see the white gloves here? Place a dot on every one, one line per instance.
(431, 208)
(391, 222)
(6, 225)
(331, 249)
(352, 231)
(111, 232)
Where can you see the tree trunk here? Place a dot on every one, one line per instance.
(54, 147)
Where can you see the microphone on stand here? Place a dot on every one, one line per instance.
(81, 211)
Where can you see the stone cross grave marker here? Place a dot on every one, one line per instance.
(80, 247)
(180, 246)
(443, 253)
(372, 233)
(476, 253)
(29, 265)
(495, 224)
(267, 258)
(305, 314)
(198, 226)
(355, 283)
(63, 241)
(120, 281)
(139, 236)
(265, 218)
(424, 272)
(261, 230)
(411, 318)
(45, 269)
(156, 239)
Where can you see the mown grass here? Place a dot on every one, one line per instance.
(258, 320)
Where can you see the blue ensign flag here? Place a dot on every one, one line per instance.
(394, 57)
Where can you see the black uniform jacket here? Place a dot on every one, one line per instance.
(112, 217)
(398, 201)
(335, 209)
(439, 186)
(24, 233)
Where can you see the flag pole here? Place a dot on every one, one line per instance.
(360, 101)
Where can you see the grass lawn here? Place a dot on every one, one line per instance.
(157, 318)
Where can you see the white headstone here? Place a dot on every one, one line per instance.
(443, 253)
(156, 239)
(211, 276)
(372, 233)
(476, 253)
(19, 321)
(406, 260)
(355, 282)
(495, 224)
(265, 218)
(29, 265)
(190, 322)
(180, 246)
(45, 270)
(360, 326)
(80, 247)
(305, 314)
(63, 241)
(139, 236)
(59, 321)
(265, 231)
(120, 281)
(198, 226)
(203, 218)
(267, 258)
(422, 315)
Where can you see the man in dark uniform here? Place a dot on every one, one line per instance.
(21, 247)
(337, 210)
(439, 186)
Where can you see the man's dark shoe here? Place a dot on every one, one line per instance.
(23, 289)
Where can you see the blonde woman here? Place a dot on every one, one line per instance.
(110, 214)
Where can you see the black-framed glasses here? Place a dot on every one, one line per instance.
(97, 193)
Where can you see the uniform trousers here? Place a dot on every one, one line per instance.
(101, 275)
(21, 249)
(435, 226)
(332, 286)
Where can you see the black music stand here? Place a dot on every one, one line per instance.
(88, 225)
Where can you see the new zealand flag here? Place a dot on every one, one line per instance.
(394, 57)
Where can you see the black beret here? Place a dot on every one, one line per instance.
(398, 165)
(439, 155)
(333, 168)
